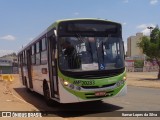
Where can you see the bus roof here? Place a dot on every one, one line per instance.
(55, 24)
(65, 20)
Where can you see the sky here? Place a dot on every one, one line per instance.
(23, 20)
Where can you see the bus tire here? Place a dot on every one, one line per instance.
(46, 92)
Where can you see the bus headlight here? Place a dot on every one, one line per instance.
(65, 83)
(71, 86)
(78, 88)
(122, 82)
(119, 83)
(124, 78)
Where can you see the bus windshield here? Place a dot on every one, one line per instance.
(79, 53)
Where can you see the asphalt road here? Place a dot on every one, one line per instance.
(137, 99)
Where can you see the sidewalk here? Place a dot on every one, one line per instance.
(143, 79)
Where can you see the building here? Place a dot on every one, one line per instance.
(135, 55)
(132, 49)
(5, 66)
(11, 57)
(8, 64)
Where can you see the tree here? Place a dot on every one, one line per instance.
(151, 46)
(154, 37)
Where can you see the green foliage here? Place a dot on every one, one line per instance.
(155, 35)
(151, 46)
(144, 44)
(138, 63)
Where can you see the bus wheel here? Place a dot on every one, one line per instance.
(46, 94)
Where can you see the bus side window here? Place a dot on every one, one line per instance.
(33, 54)
(43, 58)
(43, 41)
(37, 53)
(24, 61)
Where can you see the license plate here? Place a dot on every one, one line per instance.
(100, 93)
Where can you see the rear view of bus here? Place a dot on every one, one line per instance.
(90, 60)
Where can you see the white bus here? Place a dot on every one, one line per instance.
(75, 60)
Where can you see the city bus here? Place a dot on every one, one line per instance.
(75, 60)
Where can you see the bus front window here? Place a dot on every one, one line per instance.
(90, 53)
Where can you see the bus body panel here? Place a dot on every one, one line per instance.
(113, 88)
(38, 77)
(122, 92)
(65, 96)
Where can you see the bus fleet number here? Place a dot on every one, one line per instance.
(84, 82)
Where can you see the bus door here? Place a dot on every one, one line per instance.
(29, 68)
(53, 67)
